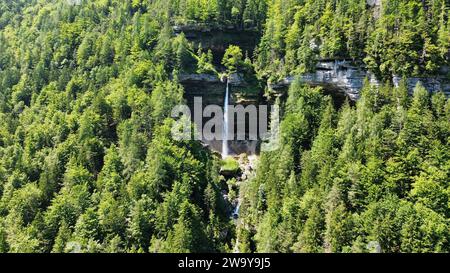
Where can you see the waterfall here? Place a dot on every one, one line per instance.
(225, 124)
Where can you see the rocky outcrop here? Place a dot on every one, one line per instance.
(218, 38)
(342, 76)
(338, 76)
(208, 87)
(211, 88)
(192, 78)
(203, 27)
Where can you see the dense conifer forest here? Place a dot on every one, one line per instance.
(88, 163)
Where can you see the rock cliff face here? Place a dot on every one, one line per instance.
(211, 88)
(340, 78)
(376, 7)
(432, 84)
(212, 91)
(343, 77)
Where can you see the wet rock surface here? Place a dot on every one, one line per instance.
(236, 80)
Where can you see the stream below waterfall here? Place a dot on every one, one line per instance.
(225, 123)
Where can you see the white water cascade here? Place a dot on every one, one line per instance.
(225, 125)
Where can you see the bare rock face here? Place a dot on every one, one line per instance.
(249, 147)
(235, 147)
(192, 78)
(339, 76)
(211, 89)
(218, 37)
(206, 86)
(342, 76)
(236, 79)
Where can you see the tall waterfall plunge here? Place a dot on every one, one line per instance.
(225, 124)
